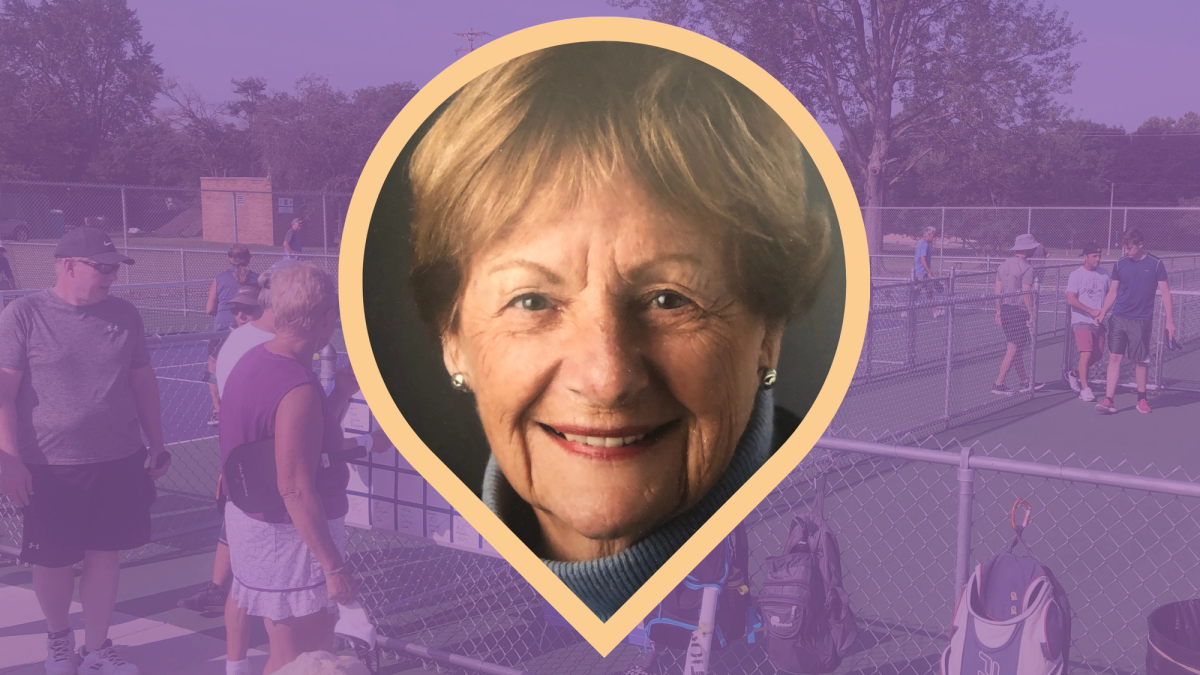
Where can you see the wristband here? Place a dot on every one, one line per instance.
(365, 441)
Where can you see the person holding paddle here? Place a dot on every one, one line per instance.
(285, 471)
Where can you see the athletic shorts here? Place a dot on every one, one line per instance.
(86, 507)
(1014, 321)
(1089, 337)
(1130, 338)
(214, 347)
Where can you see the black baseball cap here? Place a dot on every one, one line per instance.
(88, 242)
(1090, 248)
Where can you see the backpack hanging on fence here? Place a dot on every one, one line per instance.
(805, 609)
(672, 623)
(1013, 617)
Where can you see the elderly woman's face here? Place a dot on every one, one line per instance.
(613, 363)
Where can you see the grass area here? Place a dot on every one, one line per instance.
(195, 244)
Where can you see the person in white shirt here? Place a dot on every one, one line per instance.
(1086, 288)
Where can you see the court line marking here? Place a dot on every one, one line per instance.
(192, 440)
(181, 379)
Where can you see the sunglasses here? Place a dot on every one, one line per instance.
(102, 268)
(244, 309)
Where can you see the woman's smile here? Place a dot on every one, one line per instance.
(608, 443)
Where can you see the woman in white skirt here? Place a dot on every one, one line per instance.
(289, 565)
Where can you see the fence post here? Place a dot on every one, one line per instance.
(942, 239)
(235, 232)
(125, 229)
(1068, 340)
(324, 223)
(1029, 221)
(949, 337)
(910, 352)
(1037, 309)
(1058, 298)
(966, 506)
(183, 277)
(1162, 338)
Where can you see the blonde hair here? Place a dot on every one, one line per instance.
(300, 295)
(565, 121)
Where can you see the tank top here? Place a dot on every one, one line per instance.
(227, 287)
(253, 391)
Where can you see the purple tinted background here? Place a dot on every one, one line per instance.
(1136, 63)
(1139, 59)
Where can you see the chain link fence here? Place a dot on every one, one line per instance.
(990, 230)
(33, 265)
(1121, 539)
(134, 215)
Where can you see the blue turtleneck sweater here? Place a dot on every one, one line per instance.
(606, 583)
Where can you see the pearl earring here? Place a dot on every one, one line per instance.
(768, 379)
(459, 383)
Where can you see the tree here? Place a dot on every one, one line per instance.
(318, 138)
(1022, 166)
(215, 134)
(74, 74)
(898, 77)
(1159, 164)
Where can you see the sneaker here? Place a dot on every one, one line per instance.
(1106, 406)
(60, 653)
(215, 419)
(208, 599)
(1073, 380)
(1143, 406)
(1027, 387)
(106, 661)
(1002, 390)
(1086, 394)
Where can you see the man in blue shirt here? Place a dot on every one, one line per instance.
(1136, 278)
(923, 267)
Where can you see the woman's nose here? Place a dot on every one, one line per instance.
(603, 362)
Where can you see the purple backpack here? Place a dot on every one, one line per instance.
(1013, 617)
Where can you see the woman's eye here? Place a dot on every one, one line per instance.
(669, 300)
(531, 302)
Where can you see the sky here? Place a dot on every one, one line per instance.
(1135, 63)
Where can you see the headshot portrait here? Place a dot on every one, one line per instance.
(604, 283)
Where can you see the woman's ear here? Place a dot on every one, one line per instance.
(451, 355)
(772, 338)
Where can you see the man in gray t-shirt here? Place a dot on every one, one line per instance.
(1014, 312)
(77, 393)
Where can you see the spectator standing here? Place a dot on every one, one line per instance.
(226, 285)
(214, 596)
(1086, 288)
(291, 241)
(75, 386)
(1136, 279)
(1014, 314)
(220, 306)
(288, 565)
